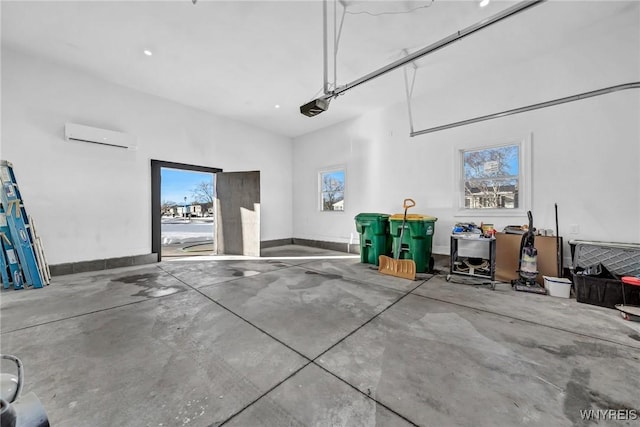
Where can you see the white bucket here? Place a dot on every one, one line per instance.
(557, 286)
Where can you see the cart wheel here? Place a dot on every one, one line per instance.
(448, 277)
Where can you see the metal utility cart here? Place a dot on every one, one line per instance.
(487, 271)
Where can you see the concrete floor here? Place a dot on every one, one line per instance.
(313, 342)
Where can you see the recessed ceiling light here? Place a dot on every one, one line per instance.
(148, 52)
(483, 3)
(277, 106)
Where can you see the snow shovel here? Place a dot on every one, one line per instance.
(403, 268)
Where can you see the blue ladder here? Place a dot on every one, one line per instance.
(4, 267)
(8, 257)
(18, 223)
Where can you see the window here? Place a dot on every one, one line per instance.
(494, 179)
(332, 190)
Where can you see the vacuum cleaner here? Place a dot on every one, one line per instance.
(528, 264)
(17, 410)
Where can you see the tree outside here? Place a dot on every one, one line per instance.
(203, 192)
(202, 198)
(167, 207)
(491, 177)
(332, 190)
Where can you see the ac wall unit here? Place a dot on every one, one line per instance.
(110, 138)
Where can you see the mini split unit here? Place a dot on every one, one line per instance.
(108, 138)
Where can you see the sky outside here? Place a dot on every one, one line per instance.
(334, 182)
(510, 157)
(177, 184)
(336, 175)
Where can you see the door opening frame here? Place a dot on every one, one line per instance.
(156, 202)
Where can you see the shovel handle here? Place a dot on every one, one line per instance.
(408, 203)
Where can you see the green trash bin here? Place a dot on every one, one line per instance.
(417, 239)
(374, 236)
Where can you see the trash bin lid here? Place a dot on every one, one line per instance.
(630, 280)
(372, 216)
(413, 217)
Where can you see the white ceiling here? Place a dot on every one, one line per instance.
(239, 59)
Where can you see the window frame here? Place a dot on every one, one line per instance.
(524, 179)
(328, 170)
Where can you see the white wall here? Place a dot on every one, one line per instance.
(91, 202)
(585, 154)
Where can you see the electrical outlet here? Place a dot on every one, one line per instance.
(574, 229)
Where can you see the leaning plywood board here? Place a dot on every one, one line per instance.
(508, 255)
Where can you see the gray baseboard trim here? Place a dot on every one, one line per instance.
(129, 261)
(102, 264)
(441, 262)
(264, 244)
(332, 246)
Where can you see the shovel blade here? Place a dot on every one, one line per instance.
(403, 268)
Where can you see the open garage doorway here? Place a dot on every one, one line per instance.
(199, 210)
(187, 215)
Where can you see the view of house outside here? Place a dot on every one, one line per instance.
(491, 177)
(187, 208)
